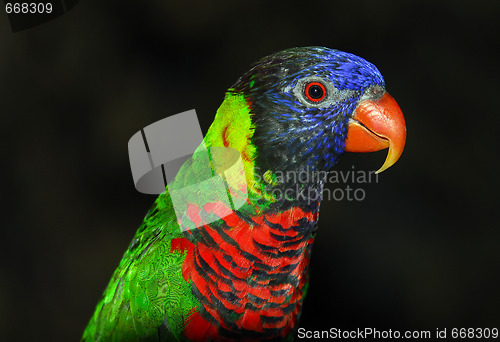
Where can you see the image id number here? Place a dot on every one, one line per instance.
(25, 8)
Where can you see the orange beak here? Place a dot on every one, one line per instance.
(375, 125)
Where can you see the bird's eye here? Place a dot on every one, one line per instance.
(315, 92)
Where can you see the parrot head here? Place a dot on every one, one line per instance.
(309, 105)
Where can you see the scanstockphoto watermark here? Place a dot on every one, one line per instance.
(348, 184)
(389, 334)
(360, 334)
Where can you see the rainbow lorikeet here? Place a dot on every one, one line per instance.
(243, 276)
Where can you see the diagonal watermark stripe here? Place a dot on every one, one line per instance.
(215, 175)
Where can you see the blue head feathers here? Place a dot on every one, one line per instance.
(302, 99)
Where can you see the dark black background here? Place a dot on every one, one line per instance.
(420, 252)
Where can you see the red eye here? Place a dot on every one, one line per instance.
(315, 92)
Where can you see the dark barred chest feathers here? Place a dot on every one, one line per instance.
(249, 273)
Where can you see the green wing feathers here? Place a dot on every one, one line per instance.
(147, 289)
